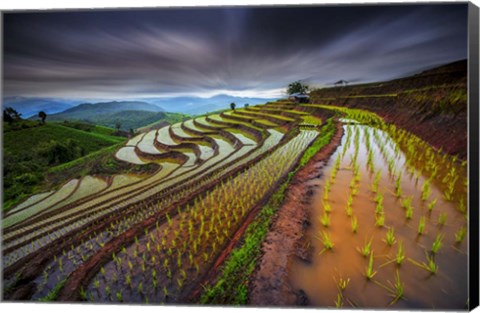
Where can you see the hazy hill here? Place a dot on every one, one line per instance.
(130, 114)
(31, 106)
(197, 105)
(87, 110)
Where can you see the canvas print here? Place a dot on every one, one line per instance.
(262, 156)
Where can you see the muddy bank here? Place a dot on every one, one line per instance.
(269, 285)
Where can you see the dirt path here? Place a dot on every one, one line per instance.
(270, 285)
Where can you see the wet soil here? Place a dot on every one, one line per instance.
(269, 285)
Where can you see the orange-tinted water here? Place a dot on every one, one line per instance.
(446, 289)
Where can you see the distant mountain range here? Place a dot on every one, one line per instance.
(130, 114)
(31, 106)
(187, 105)
(90, 110)
(197, 105)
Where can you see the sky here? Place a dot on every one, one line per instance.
(241, 51)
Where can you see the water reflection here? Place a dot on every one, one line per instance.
(364, 154)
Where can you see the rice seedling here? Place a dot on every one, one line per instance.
(343, 283)
(355, 191)
(376, 181)
(461, 206)
(354, 223)
(327, 207)
(409, 213)
(437, 243)
(325, 220)
(380, 220)
(83, 294)
(407, 202)
(327, 186)
(369, 271)
(119, 296)
(432, 204)
(398, 186)
(426, 191)
(128, 280)
(390, 237)
(421, 225)
(460, 234)
(400, 255)
(378, 198)
(430, 266)
(397, 288)
(339, 301)
(442, 219)
(367, 248)
(327, 242)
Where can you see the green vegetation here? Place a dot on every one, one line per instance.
(327, 132)
(168, 117)
(297, 87)
(176, 224)
(53, 294)
(367, 248)
(390, 237)
(232, 282)
(326, 240)
(30, 152)
(369, 271)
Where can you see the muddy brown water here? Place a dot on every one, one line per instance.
(447, 289)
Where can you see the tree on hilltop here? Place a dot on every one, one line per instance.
(11, 115)
(43, 116)
(297, 87)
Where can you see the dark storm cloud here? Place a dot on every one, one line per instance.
(138, 53)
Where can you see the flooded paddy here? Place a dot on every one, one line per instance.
(383, 232)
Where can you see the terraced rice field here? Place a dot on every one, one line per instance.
(388, 225)
(155, 239)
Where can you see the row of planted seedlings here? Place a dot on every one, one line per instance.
(169, 259)
(77, 209)
(281, 111)
(418, 238)
(62, 265)
(261, 115)
(51, 236)
(49, 230)
(54, 272)
(12, 233)
(62, 218)
(57, 234)
(447, 172)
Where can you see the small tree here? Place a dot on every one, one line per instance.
(11, 115)
(232, 106)
(118, 125)
(297, 87)
(246, 105)
(43, 116)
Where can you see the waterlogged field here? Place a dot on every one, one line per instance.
(388, 223)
